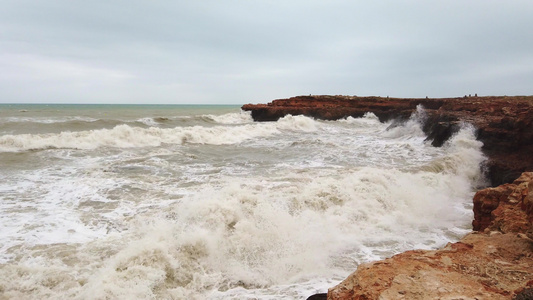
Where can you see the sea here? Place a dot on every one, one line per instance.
(201, 202)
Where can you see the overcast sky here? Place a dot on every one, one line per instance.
(246, 51)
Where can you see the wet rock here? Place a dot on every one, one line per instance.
(506, 208)
(322, 296)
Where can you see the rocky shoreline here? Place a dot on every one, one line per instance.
(495, 261)
(504, 124)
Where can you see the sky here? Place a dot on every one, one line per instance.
(246, 51)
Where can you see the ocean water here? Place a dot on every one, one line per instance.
(200, 202)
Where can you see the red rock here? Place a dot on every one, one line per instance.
(506, 208)
(492, 267)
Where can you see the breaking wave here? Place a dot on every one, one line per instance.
(198, 225)
(126, 136)
(241, 117)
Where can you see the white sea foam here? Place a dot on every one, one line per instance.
(248, 234)
(368, 120)
(298, 123)
(125, 136)
(148, 121)
(241, 117)
(284, 210)
(54, 218)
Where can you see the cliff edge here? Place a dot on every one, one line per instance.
(504, 124)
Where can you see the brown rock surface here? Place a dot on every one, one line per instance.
(506, 208)
(480, 266)
(494, 264)
(505, 124)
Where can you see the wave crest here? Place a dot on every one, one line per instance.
(125, 136)
(241, 117)
(298, 123)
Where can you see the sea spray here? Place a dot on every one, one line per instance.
(221, 207)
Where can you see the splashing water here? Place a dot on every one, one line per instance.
(210, 205)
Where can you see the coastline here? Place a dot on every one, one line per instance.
(504, 123)
(494, 260)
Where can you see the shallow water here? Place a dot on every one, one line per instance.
(200, 202)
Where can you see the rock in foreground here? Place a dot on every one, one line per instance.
(494, 264)
(480, 266)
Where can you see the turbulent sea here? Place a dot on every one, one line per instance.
(200, 202)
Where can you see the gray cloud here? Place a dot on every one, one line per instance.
(254, 51)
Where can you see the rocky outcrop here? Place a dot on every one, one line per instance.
(495, 262)
(480, 266)
(504, 124)
(506, 208)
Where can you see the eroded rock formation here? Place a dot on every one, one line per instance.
(506, 208)
(504, 124)
(493, 263)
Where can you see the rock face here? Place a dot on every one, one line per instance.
(478, 267)
(496, 263)
(504, 124)
(506, 208)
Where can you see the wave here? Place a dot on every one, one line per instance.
(268, 231)
(22, 126)
(148, 121)
(125, 136)
(298, 123)
(241, 117)
(256, 232)
(463, 156)
(368, 120)
(411, 128)
(249, 235)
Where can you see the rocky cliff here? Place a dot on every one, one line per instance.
(504, 124)
(495, 262)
